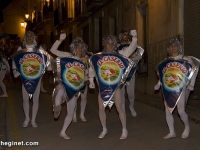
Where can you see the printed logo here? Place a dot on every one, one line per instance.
(74, 74)
(174, 75)
(31, 65)
(110, 69)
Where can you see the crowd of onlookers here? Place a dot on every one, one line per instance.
(8, 47)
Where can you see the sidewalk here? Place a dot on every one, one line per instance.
(192, 108)
(3, 105)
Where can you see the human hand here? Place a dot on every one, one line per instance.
(16, 73)
(62, 36)
(133, 33)
(190, 87)
(157, 86)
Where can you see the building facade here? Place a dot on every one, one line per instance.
(156, 23)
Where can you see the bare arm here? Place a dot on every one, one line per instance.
(129, 50)
(6, 64)
(55, 51)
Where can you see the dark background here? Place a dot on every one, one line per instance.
(3, 4)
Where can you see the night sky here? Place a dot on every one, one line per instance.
(3, 4)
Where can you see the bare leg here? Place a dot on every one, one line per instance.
(58, 100)
(83, 104)
(183, 115)
(2, 85)
(70, 111)
(131, 96)
(42, 87)
(170, 123)
(122, 114)
(123, 96)
(25, 106)
(102, 117)
(74, 116)
(35, 104)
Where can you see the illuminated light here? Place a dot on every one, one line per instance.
(26, 16)
(23, 24)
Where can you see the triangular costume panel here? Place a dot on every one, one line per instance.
(31, 66)
(111, 72)
(71, 74)
(140, 51)
(174, 76)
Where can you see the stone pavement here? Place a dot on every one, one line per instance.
(192, 108)
(2, 120)
(156, 101)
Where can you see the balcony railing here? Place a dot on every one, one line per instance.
(64, 12)
(48, 10)
(93, 5)
(78, 7)
(56, 17)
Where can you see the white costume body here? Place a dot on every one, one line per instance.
(71, 105)
(130, 88)
(181, 105)
(25, 94)
(5, 67)
(117, 98)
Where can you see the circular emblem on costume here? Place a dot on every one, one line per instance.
(110, 72)
(31, 68)
(173, 79)
(74, 77)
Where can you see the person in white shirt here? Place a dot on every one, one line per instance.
(30, 44)
(110, 45)
(78, 49)
(175, 51)
(124, 43)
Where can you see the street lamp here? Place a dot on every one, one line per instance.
(23, 24)
(27, 16)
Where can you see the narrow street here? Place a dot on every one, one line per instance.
(145, 131)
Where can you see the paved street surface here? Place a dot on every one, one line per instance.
(145, 131)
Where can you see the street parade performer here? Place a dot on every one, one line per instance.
(130, 84)
(177, 75)
(30, 63)
(4, 68)
(69, 87)
(111, 70)
(83, 102)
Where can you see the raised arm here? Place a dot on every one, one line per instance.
(132, 47)
(54, 48)
(5, 62)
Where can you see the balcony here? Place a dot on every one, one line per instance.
(48, 10)
(81, 17)
(80, 11)
(64, 12)
(93, 5)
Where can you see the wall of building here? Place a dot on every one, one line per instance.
(162, 25)
(1, 28)
(13, 16)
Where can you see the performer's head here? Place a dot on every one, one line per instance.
(174, 47)
(78, 48)
(29, 39)
(124, 36)
(109, 43)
